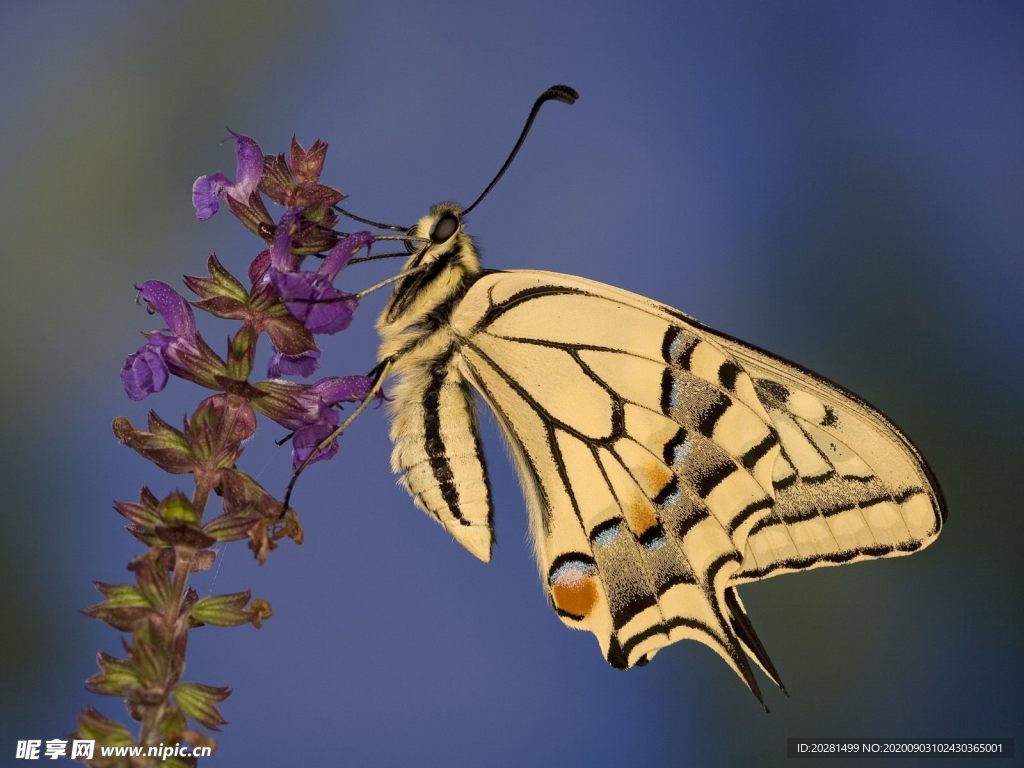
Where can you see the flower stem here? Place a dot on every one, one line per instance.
(174, 640)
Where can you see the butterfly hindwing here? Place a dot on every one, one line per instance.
(607, 560)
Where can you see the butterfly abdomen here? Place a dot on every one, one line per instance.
(437, 452)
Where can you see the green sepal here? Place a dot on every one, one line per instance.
(124, 608)
(241, 352)
(253, 216)
(122, 595)
(162, 444)
(221, 284)
(230, 610)
(148, 651)
(199, 702)
(177, 508)
(116, 676)
(92, 724)
(151, 574)
(142, 517)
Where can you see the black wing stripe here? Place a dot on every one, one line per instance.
(759, 451)
(434, 440)
(841, 556)
(509, 426)
(550, 420)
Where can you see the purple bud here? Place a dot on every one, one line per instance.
(309, 410)
(144, 373)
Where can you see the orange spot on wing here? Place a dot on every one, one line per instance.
(656, 476)
(640, 515)
(575, 595)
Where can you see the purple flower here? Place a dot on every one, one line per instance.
(207, 191)
(310, 296)
(306, 439)
(320, 399)
(303, 364)
(309, 410)
(180, 351)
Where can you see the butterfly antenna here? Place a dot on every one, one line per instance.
(370, 222)
(562, 93)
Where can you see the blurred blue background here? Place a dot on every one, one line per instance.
(839, 183)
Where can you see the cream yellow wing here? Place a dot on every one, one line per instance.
(849, 485)
(650, 448)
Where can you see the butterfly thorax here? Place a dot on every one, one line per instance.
(416, 316)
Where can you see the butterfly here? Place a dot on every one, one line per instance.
(664, 464)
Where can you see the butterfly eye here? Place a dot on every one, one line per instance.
(444, 228)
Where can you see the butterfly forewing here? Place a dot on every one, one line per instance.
(849, 485)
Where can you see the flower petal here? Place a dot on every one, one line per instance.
(342, 253)
(281, 252)
(207, 190)
(172, 307)
(248, 168)
(331, 311)
(339, 389)
(306, 439)
(303, 364)
(205, 193)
